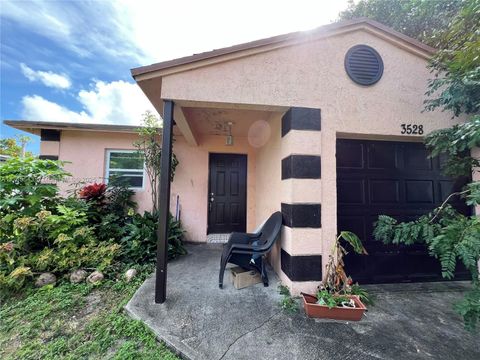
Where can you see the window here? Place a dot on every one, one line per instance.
(126, 165)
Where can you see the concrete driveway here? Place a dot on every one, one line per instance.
(200, 321)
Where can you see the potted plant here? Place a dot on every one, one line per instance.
(337, 298)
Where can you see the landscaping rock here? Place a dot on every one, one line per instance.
(95, 277)
(45, 279)
(130, 274)
(78, 276)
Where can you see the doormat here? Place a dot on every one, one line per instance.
(217, 238)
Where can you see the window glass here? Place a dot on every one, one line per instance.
(126, 167)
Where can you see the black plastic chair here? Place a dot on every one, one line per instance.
(247, 250)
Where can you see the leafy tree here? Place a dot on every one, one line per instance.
(12, 147)
(420, 19)
(149, 145)
(450, 236)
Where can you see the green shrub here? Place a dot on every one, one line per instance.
(54, 242)
(41, 231)
(27, 186)
(139, 245)
(288, 303)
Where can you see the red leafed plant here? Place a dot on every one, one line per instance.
(93, 192)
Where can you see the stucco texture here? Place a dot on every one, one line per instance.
(312, 75)
(191, 181)
(85, 153)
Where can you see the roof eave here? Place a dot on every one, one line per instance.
(30, 126)
(326, 29)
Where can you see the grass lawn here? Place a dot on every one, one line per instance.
(76, 321)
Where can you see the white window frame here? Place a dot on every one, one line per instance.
(108, 170)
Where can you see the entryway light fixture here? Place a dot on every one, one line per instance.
(229, 139)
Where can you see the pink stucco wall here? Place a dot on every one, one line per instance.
(50, 148)
(191, 181)
(86, 151)
(313, 75)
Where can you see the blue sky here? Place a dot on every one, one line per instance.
(70, 60)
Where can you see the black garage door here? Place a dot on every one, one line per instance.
(396, 179)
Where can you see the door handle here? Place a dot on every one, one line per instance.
(211, 200)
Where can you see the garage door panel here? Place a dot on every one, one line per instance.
(416, 158)
(396, 179)
(382, 155)
(419, 191)
(355, 224)
(352, 156)
(351, 191)
(384, 191)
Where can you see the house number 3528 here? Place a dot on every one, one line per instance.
(412, 129)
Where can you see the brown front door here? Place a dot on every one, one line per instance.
(227, 193)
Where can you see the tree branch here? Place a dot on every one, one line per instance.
(445, 203)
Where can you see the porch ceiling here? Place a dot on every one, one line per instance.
(214, 121)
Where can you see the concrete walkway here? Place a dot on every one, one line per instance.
(200, 321)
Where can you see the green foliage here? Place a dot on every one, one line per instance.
(420, 19)
(469, 308)
(456, 85)
(52, 241)
(288, 303)
(325, 297)
(27, 184)
(149, 145)
(364, 296)
(450, 236)
(77, 322)
(354, 242)
(15, 147)
(110, 212)
(41, 231)
(336, 280)
(139, 245)
(455, 144)
(119, 198)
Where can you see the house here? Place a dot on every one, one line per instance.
(324, 125)
(4, 158)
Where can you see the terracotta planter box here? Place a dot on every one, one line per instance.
(312, 309)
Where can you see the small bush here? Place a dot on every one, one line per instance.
(287, 303)
(139, 245)
(41, 231)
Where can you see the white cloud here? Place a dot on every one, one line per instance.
(117, 102)
(48, 78)
(89, 29)
(39, 109)
(143, 31)
(164, 30)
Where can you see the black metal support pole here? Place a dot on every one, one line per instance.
(164, 204)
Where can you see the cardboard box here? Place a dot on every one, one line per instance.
(242, 278)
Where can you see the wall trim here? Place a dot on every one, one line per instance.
(301, 118)
(301, 268)
(49, 135)
(48, 157)
(302, 215)
(301, 167)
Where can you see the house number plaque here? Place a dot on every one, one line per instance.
(411, 129)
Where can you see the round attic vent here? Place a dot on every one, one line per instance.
(364, 65)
